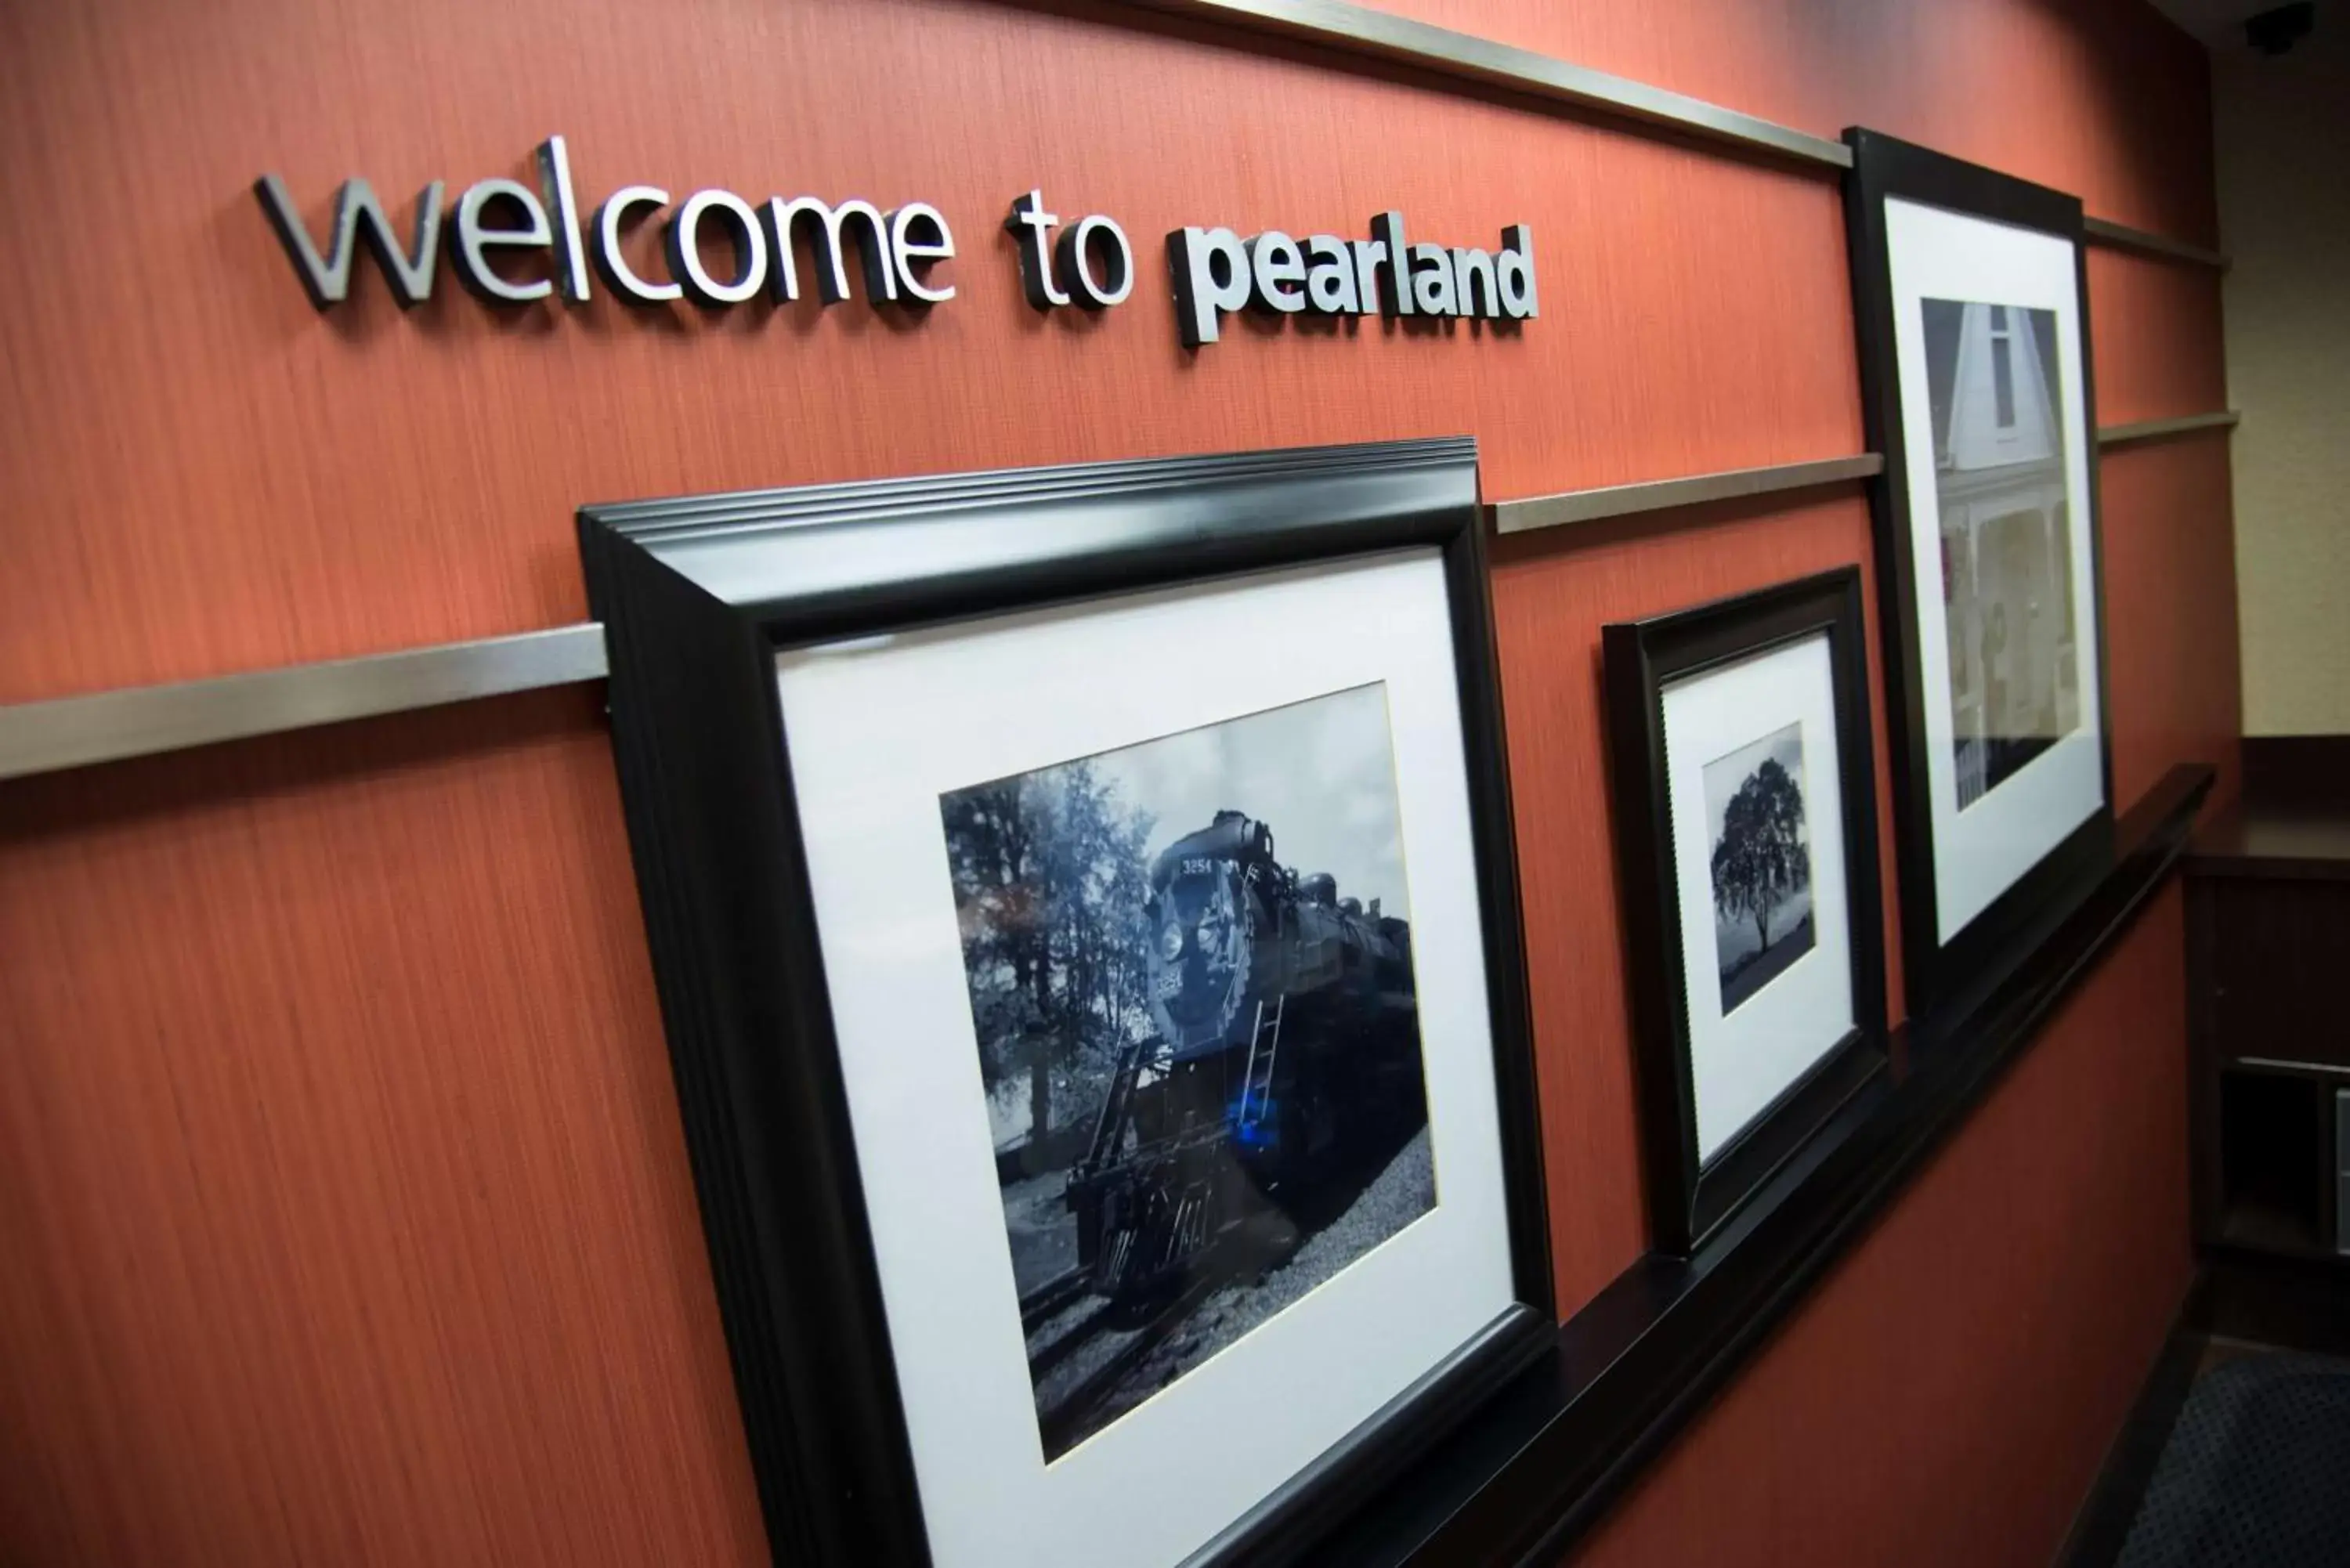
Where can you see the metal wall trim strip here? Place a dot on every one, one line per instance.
(1623, 500)
(139, 720)
(2160, 430)
(2121, 237)
(1357, 29)
(1465, 57)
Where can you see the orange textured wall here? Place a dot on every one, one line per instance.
(211, 476)
(2071, 93)
(351, 1217)
(348, 1218)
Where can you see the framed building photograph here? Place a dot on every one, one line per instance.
(1974, 345)
(1746, 837)
(1083, 907)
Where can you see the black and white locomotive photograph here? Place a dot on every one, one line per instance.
(1761, 863)
(1998, 409)
(1191, 978)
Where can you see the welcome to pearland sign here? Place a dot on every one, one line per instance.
(512, 244)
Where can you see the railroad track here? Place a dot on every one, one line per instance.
(1060, 1421)
(1048, 1300)
(1047, 1357)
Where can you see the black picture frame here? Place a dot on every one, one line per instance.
(1954, 974)
(1689, 1200)
(697, 596)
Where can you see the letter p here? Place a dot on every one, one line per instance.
(1211, 280)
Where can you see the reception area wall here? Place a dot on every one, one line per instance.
(2281, 123)
(350, 1218)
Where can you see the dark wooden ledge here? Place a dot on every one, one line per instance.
(1524, 1480)
(2293, 821)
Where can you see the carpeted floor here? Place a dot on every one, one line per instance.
(2256, 1473)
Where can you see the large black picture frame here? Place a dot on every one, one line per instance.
(1689, 1200)
(1938, 974)
(697, 596)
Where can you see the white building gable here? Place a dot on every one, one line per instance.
(1999, 408)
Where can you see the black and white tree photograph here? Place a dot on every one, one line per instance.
(1761, 863)
(1190, 969)
(1998, 408)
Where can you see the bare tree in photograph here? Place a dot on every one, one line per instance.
(1760, 863)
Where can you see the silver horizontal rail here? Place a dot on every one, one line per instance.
(142, 721)
(1465, 57)
(2162, 430)
(139, 721)
(1573, 506)
(2121, 237)
(1357, 29)
(2293, 1064)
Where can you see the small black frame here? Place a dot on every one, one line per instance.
(1938, 974)
(1688, 1200)
(697, 596)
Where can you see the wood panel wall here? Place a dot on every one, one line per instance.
(347, 1215)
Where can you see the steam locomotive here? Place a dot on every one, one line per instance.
(1286, 1060)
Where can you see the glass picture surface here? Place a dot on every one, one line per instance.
(1743, 763)
(1190, 970)
(1995, 611)
(1235, 1288)
(1752, 762)
(1996, 400)
(1761, 864)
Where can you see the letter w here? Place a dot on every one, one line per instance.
(329, 280)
